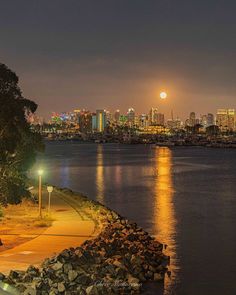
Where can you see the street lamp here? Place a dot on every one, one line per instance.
(40, 173)
(50, 190)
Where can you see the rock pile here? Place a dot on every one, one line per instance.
(117, 261)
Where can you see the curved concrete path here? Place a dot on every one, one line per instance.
(69, 230)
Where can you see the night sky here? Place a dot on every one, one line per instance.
(120, 53)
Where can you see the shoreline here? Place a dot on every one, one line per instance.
(118, 258)
(205, 145)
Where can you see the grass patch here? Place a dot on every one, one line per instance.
(1, 212)
(46, 221)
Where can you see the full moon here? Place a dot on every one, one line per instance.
(163, 95)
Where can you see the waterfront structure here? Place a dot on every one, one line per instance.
(101, 120)
(174, 124)
(153, 129)
(225, 119)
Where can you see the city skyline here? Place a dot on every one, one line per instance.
(113, 112)
(116, 53)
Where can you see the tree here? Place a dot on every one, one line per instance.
(19, 144)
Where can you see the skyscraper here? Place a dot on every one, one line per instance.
(210, 119)
(100, 120)
(131, 116)
(143, 120)
(160, 119)
(231, 119)
(225, 119)
(192, 119)
(153, 116)
(117, 116)
(85, 122)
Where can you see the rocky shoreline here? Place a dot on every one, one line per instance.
(117, 261)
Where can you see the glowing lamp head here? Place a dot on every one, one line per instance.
(40, 172)
(50, 189)
(163, 95)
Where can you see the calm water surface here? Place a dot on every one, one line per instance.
(184, 196)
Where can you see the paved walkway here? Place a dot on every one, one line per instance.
(69, 230)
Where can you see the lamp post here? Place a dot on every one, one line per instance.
(50, 190)
(40, 173)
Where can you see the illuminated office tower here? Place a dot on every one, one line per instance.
(143, 121)
(85, 122)
(231, 119)
(117, 116)
(160, 119)
(203, 120)
(225, 119)
(109, 116)
(131, 116)
(101, 120)
(192, 119)
(210, 119)
(153, 116)
(222, 119)
(94, 122)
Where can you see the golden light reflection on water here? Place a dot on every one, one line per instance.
(165, 222)
(100, 174)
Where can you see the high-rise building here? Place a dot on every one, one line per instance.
(225, 119)
(160, 119)
(210, 119)
(192, 119)
(207, 120)
(94, 122)
(174, 123)
(109, 116)
(85, 122)
(131, 116)
(222, 119)
(203, 120)
(101, 120)
(117, 116)
(143, 120)
(231, 119)
(153, 116)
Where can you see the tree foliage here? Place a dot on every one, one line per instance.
(18, 142)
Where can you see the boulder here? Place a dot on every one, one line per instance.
(61, 287)
(92, 290)
(30, 291)
(57, 266)
(72, 275)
